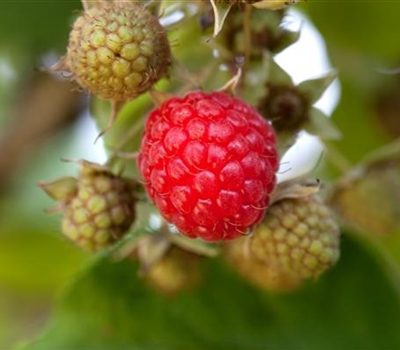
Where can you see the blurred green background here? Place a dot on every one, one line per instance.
(51, 291)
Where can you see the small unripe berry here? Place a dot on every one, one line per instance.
(297, 240)
(300, 235)
(117, 50)
(262, 274)
(175, 272)
(98, 207)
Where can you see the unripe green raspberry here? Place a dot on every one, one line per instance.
(98, 207)
(168, 264)
(117, 50)
(101, 211)
(176, 271)
(262, 274)
(299, 236)
(297, 240)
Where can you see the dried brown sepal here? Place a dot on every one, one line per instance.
(231, 85)
(273, 4)
(295, 189)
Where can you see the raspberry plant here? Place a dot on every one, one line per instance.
(192, 237)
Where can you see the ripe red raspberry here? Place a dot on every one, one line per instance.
(209, 163)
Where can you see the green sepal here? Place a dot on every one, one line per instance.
(151, 249)
(288, 38)
(321, 125)
(314, 88)
(197, 247)
(296, 188)
(275, 73)
(90, 169)
(61, 189)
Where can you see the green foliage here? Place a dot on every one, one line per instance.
(39, 26)
(366, 30)
(110, 307)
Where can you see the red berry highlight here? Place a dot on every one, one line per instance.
(209, 163)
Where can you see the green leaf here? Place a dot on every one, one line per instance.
(275, 73)
(110, 308)
(288, 38)
(314, 88)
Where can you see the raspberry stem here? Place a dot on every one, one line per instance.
(116, 107)
(247, 42)
(336, 158)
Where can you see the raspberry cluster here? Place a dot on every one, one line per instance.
(209, 161)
